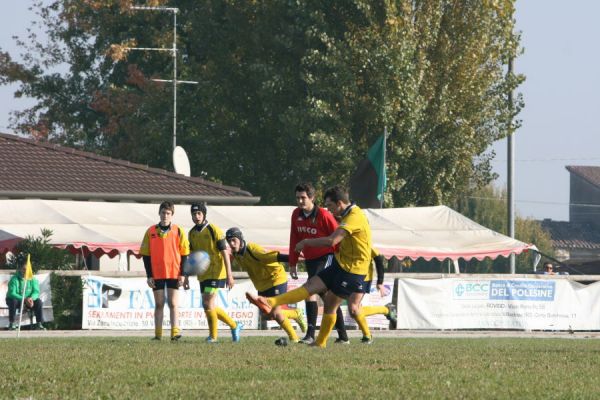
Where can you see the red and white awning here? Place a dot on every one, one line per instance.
(115, 228)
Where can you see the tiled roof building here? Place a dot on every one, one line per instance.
(30, 169)
(573, 241)
(577, 242)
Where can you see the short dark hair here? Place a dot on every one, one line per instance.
(548, 264)
(337, 193)
(306, 187)
(166, 205)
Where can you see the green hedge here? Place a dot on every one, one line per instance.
(67, 301)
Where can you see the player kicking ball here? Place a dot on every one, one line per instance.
(344, 279)
(269, 278)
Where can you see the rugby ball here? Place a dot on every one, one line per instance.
(196, 264)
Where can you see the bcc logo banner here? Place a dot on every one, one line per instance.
(471, 290)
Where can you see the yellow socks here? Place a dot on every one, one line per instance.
(290, 314)
(286, 325)
(211, 317)
(327, 324)
(373, 310)
(175, 331)
(362, 323)
(291, 297)
(158, 332)
(223, 316)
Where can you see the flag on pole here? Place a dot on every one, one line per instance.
(368, 183)
(28, 275)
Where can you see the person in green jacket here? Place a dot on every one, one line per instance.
(32, 301)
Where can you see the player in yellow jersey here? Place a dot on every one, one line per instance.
(344, 279)
(209, 238)
(389, 310)
(269, 278)
(164, 250)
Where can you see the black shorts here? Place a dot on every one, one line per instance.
(211, 285)
(340, 282)
(274, 291)
(316, 265)
(367, 287)
(160, 284)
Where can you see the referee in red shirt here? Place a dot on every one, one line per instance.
(311, 221)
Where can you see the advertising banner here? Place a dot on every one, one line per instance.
(529, 304)
(128, 303)
(45, 296)
(373, 298)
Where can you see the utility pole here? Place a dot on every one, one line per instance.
(385, 135)
(173, 51)
(510, 182)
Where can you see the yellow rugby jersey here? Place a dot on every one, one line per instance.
(206, 239)
(374, 253)
(262, 266)
(354, 251)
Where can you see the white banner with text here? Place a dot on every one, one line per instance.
(128, 303)
(529, 304)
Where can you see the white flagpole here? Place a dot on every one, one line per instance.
(22, 304)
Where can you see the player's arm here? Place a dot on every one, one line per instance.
(222, 247)
(185, 282)
(379, 259)
(145, 252)
(13, 291)
(327, 241)
(186, 278)
(184, 251)
(293, 255)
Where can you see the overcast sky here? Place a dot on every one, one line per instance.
(562, 90)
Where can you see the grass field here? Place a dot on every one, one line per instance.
(391, 368)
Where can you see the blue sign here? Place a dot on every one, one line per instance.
(522, 290)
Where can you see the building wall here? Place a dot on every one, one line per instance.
(583, 198)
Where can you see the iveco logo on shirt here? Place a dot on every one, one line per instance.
(307, 229)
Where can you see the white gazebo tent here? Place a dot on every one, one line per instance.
(117, 228)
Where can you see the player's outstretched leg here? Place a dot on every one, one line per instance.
(266, 305)
(392, 314)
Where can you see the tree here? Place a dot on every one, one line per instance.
(288, 91)
(43, 254)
